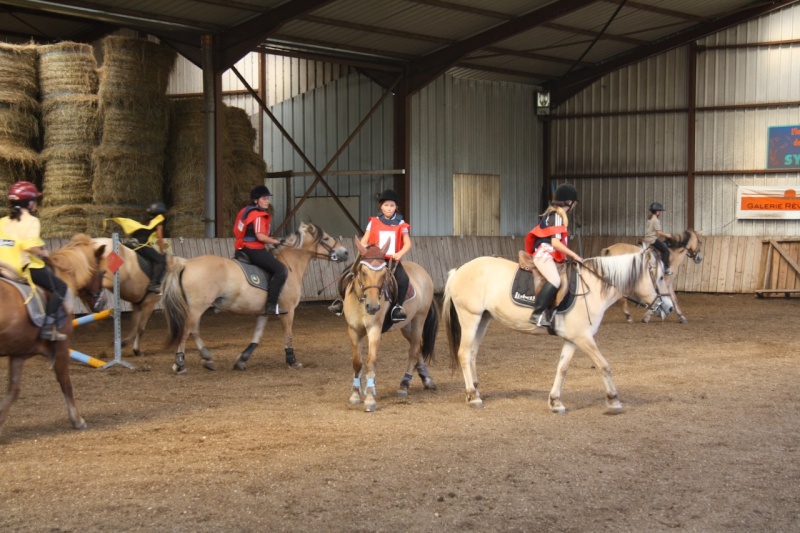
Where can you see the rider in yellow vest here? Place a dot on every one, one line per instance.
(149, 241)
(251, 232)
(24, 230)
(548, 243)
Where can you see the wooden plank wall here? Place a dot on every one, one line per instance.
(730, 265)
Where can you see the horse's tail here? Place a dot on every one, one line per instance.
(176, 308)
(450, 319)
(429, 331)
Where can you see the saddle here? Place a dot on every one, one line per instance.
(144, 263)
(36, 303)
(528, 281)
(255, 275)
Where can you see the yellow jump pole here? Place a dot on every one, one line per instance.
(94, 317)
(85, 359)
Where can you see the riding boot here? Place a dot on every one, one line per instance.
(337, 307)
(542, 304)
(50, 331)
(273, 309)
(155, 281)
(398, 313)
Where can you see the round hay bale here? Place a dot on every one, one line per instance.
(66, 69)
(18, 74)
(145, 125)
(133, 68)
(186, 222)
(64, 221)
(71, 126)
(126, 176)
(18, 164)
(18, 127)
(239, 129)
(67, 182)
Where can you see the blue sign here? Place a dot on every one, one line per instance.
(783, 147)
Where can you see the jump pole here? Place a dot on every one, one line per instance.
(85, 359)
(117, 318)
(88, 319)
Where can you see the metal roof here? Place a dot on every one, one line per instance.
(560, 45)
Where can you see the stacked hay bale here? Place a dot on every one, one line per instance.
(128, 164)
(243, 168)
(19, 108)
(68, 91)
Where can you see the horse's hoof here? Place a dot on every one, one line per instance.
(646, 319)
(559, 410)
(178, 369)
(682, 319)
(80, 425)
(370, 407)
(402, 393)
(476, 404)
(295, 365)
(205, 353)
(239, 364)
(629, 319)
(137, 353)
(613, 407)
(209, 365)
(355, 398)
(430, 385)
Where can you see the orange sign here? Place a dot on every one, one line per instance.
(114, 262)
(768, 202)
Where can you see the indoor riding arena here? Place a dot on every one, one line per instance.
(475, 115)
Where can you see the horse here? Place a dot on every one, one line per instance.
(133, 284)
(366, 304)
(689, 246)
(81, 266)
(480, 290)
(194, 285)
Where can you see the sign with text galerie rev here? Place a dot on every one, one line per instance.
(768, 202)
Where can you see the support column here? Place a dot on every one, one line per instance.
(401, 147)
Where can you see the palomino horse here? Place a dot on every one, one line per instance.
(81, 267)
(192, 286)
(689, 246)
(366, 305)
(133, 283)
(481, 290)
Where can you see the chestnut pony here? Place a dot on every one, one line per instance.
(80, 264)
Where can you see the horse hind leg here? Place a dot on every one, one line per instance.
(192, 327)
(62, 375)
(415, 361)
(241, 360)
(14, 377)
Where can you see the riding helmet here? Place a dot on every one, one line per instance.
(259, 191)
(157, 208)
(23, 190)
(656, 206)
(389, 195)
(566, 192)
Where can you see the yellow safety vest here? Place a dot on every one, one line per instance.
(129, 226)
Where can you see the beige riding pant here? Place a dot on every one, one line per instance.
(546, 265)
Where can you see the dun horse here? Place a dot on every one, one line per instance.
(133, 283)
(481, 290)
(366, 305)
(689, 246)
(81, 267)
(194, 285)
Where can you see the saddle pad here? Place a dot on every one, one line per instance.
(387, 319)
(522, 290)
(144, 263)
(254, 275)
(35, 305)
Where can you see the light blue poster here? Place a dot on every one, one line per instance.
(783, 147)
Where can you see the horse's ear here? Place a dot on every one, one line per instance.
(360, 247)
(98, 253)
(385, 247)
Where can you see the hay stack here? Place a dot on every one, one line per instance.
(19, 107)
(134, 115)
(70, 120)
(64, 221)
(185, 176)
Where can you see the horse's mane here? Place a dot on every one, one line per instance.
(622, 272)
(72, 259)
(297, 239)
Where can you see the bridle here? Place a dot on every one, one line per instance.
(375, 264)
(319, 240)
(95, 296)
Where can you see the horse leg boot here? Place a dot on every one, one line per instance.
(542, 304)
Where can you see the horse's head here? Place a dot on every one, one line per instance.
(372, 280)
(82, 265)
(693, 246)
(314, 239)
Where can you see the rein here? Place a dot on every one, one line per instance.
(655, 303)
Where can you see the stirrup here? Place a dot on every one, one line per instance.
(273, 309)
(337, 307)
(398, 314)
(50, 333)
(154, 288)
(540, 319)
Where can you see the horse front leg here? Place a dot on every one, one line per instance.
(681, 317)
(61, 368)
(588, 345)
(241, 360)
(355, 341)
(471, 326)
(14, 378)
(370, 390)
(627, 311)
(554, 399)
(287, 321)
(140, 320)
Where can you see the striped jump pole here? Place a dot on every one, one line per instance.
(94, 317)
(85, 359)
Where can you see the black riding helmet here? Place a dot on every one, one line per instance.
(566, 192)
(655, 206)
(258, 191)
(389, 195)
(157, 208)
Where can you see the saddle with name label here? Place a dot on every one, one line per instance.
(528, 281)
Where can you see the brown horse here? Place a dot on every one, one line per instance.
(194, 285)
(480, 291)
(81, 266)
(689, 246)
(366, 304)
(133, 283)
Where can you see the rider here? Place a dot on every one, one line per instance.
(389, 225)
(653, 232)
(251, 230)
(547, 242)
(24, 228)
(144, 237)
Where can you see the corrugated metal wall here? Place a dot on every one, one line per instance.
(624, 140)
(472, 127)
(320, 121)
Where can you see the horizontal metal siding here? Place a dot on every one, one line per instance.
(471, 127)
